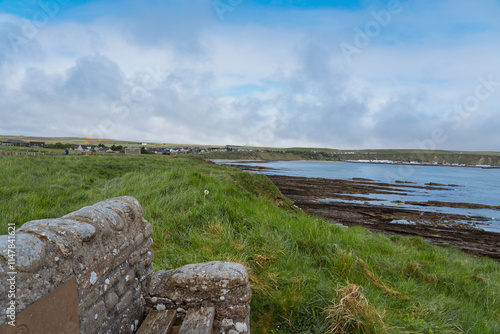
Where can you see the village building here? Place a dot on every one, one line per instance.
(13, 142)
(132, 151)
(37, 144)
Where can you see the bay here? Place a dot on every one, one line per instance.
(463, 184)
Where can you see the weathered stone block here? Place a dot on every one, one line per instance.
(216, 281)
(146, 274)
(112, 278)
(224, 284)
(134, 258)
(127, 321)
(232, 311)
(65, 244)
(120, 287)
(134, 204)
(111, 300)
(148, 229)
(123, 253)
(92, 318)
(139, 239)
(148, 258)
(84, 231)
(93, 216)
(114, 219)
(95, 272)
(88, 298)
(130, 277)
(29, 250)
(124, 208)
(124, 301)
(146, 246)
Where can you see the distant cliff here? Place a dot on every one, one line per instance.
(441, 157)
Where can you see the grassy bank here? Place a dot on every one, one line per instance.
(305, 273)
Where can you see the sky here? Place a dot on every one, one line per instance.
(361, 74)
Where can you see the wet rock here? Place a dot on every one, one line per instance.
(437, 227)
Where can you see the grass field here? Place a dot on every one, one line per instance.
(307, 275)
(91, 141)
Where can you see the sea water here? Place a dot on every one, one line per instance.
(475, 185)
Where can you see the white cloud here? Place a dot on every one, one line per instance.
(173, 73)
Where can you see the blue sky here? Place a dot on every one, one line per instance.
(339, 74)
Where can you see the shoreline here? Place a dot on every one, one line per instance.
(371, 162)
(439, 228)
(327, 198)
(414, 163)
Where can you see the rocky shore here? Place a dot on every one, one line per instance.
(346, 202)
(347, 205)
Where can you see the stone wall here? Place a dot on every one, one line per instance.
(222, 284)
(108, 248)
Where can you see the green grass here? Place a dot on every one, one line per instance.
(70, 140)
(299, 266)
(92, 141)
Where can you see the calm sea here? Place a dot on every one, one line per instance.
(479, 186)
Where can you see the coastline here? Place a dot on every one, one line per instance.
(418, 163)
(374, 162)
(436, 227)
(342, 202)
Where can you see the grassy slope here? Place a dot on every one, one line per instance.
(70, 140)
(91, 141)
(296, 263)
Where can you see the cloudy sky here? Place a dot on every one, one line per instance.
(339, 74)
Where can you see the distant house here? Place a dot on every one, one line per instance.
(84, 148)
(13, 142)
(160, 150)
(133, 151)
(37, 144)
(100, 149)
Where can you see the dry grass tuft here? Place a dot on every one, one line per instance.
(354, 314)
(264, 284)
(263, 260)
(414, 269)
(377, 281)
(216, 228)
